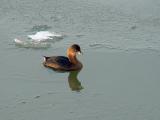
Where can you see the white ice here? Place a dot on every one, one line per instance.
(44, 35)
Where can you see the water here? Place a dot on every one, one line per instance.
(120, 42)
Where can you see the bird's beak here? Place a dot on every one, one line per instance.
(80, 53)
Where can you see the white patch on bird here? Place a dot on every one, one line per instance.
(44, 59)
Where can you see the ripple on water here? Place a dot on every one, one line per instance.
(36, 28)
(144, 49)
(104, 46)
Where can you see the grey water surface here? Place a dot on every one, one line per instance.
(121, 44)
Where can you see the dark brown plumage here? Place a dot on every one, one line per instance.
(63, 63)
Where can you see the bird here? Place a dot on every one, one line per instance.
(65, 63)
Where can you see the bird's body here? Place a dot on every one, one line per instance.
(63, 63)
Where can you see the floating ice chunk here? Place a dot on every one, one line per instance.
(31, 44)
(18, 41)
(44, 35)
(38, 40)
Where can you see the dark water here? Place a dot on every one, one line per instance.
(120, 78)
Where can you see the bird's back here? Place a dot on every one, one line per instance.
(61, 62)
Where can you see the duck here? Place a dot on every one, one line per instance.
(65, 63)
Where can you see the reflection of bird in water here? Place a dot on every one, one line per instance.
(73, 81)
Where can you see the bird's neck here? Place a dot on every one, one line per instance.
(73, 58)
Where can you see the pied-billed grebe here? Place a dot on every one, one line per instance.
(63, 63)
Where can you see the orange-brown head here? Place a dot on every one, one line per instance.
(72, 51)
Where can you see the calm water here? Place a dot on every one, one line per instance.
(120, 78)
